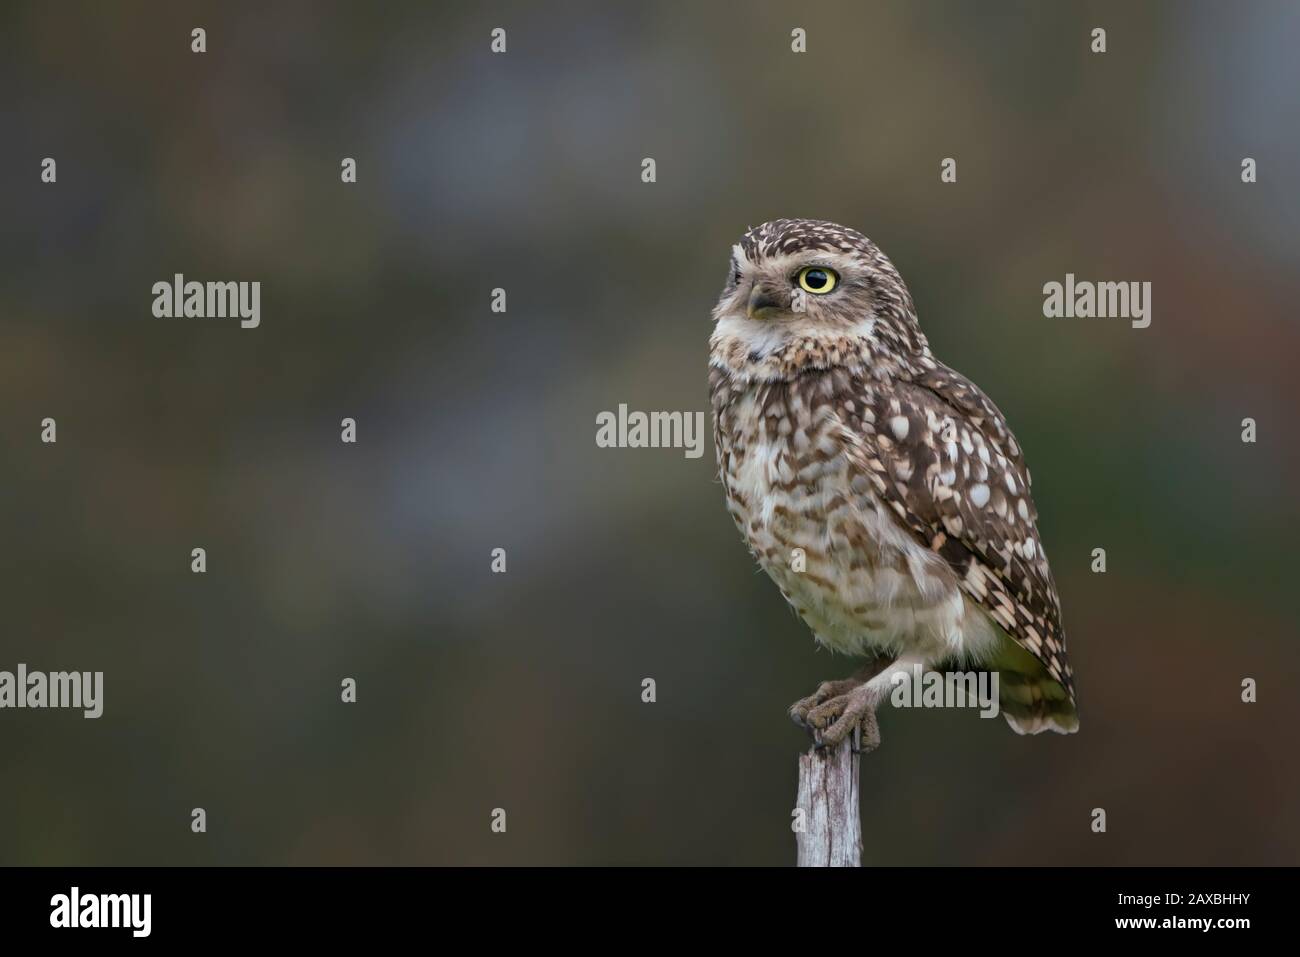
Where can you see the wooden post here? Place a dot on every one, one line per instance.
(828, 796)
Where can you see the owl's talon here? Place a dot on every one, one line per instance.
(866, 733)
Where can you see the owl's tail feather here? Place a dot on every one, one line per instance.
(1033, 703)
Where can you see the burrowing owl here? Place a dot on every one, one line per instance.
(881, 490)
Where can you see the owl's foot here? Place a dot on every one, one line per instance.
(826, 691)
(823, 712)
(852, 713)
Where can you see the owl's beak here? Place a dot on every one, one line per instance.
(761, 299)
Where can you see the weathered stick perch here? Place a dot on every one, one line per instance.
(828, 796)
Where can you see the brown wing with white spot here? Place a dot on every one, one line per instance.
(941, 455)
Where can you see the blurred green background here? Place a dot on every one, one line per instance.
(477, 430)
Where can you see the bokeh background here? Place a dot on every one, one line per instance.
(476, 430)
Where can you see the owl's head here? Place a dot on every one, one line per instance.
(796, 282)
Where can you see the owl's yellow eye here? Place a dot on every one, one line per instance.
(817, 279)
